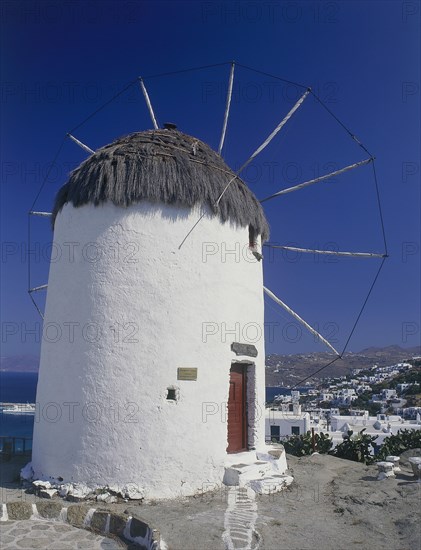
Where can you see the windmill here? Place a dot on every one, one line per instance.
(171, 193)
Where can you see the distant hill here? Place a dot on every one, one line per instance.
(288, 370)
(19, 363)
(281, 370)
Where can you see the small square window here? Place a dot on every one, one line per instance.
(171, 394)
(295, 430)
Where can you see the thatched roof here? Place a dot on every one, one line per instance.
(163, 166)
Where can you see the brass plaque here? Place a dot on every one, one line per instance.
(186, 374)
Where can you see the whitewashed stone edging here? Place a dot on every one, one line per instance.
(76, 492)
(103, 522)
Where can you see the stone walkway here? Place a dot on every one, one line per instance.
(30, 534)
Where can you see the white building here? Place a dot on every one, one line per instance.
(285, 421)
(341, 422)
(411, 412)
(162, 373)
(361, 388)
(388, 394)
(381, 426)
(404, 386)
(346, 396)
(295, 396)
(326, 396)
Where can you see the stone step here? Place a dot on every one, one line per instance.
(270, 484)
(276, 457)
(263, 471)
(240, 474)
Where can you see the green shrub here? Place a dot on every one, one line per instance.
(300, 445)
(397, 444)
(356, 447)
(323, 443)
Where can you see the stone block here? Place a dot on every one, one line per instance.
(415, 462)
(19, 510)
(244, 349)
(99, 521)
(385, 470)
(395, 460)
(39, 484)
(49, 510)
(76, 514)
(107, 497)
(139, 529)
(117, 524)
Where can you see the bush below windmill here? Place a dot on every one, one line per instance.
(358, 447)
(399, 443)
(300, 445)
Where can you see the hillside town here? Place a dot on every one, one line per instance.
(380, 400)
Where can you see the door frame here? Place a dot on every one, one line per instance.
(244, 420)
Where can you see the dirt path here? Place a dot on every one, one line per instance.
(333, 504)
(336, 504)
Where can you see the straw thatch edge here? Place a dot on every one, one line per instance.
(162, 166)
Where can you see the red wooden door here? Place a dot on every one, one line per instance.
(237, 412)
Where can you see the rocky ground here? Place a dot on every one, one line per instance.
(333, 504)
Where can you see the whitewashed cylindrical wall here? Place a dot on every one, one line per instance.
(125, 309)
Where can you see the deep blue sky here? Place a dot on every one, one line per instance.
(62, 60)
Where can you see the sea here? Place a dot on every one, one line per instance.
(21, 387)
(272, 392)
(17, 387)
